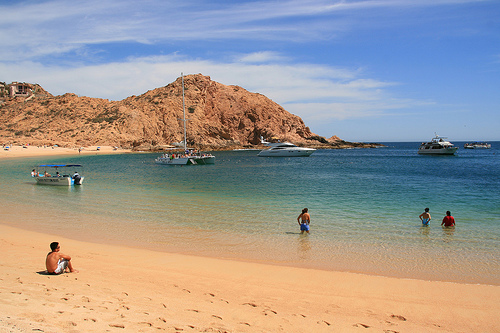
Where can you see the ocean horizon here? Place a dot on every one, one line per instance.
(364, 206)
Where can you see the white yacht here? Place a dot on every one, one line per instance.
(439, 145)
(284, 149)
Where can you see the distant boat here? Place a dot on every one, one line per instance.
(439, 145)
(284, 149)
(187, 156)
(246, 149)
(54, 177)
(477, 145)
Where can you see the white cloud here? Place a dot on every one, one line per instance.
(261, 57)
(310, 91)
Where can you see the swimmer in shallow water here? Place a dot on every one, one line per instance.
(304, 220)
(425, 217)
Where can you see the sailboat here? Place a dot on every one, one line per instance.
(188, 156)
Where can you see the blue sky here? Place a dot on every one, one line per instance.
(373, 70)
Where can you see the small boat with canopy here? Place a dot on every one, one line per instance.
(57, 174)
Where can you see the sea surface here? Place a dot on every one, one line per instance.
(364, 206)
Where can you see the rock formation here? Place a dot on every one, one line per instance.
(218, 116)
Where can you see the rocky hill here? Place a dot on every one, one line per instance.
(218, 117)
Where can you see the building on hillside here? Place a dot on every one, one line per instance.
(19, 89)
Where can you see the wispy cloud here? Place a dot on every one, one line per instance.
(32, 29)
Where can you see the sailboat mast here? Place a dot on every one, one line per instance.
(184, 112)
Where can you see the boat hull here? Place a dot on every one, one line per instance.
(186, 160)
(305, 152)
(205, 160)
(439, 151)
(57, 181)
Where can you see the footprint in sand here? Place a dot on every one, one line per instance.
(266, 312)
(251, 304)
(398, 317)
(117, 325)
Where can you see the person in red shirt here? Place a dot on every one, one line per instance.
(448, 220)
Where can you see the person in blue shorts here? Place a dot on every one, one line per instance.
(304, 220)
(425, 217)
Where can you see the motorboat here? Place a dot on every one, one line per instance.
(57, 174)
(185, 156)
(439, 145)
(284, 149)
(477, 145)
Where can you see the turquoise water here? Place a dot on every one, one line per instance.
(364, 205)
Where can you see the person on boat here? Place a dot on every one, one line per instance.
(448, 220)
(46, 174)
(304, 220)
(57, 174)
(34, 173)
(58, 263)
(76, 177)
(425, 217)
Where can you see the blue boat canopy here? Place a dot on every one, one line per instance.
(59, 165)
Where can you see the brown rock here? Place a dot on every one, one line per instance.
(219, 116)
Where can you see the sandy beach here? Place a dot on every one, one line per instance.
(126, 289)
(16, 151)
(121, 289)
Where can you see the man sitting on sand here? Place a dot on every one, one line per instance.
(56, 262)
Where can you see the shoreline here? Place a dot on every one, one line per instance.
(34, 151)
(130, 289)
(338, 264)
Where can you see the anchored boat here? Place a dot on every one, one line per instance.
(477, 145)
(284, 149)
(187, 156)
(57, 174)
(439, 145)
